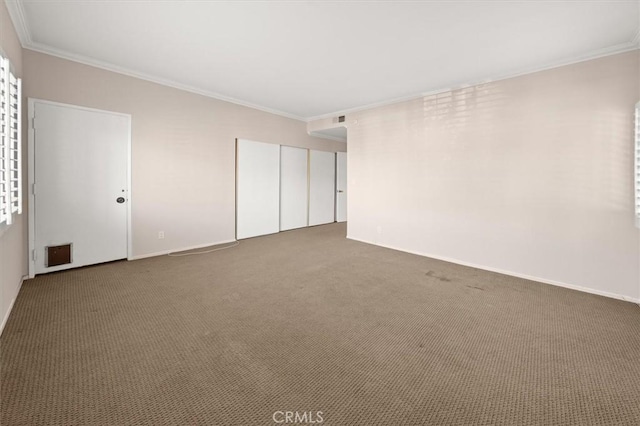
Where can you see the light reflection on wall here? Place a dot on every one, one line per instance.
(537, 167)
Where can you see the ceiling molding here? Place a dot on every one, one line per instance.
(48, 50)
(317, 134)
(16, 13)
(613, 50)
(38, 47)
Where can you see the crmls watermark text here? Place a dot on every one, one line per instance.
(308, 417)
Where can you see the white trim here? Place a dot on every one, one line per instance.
(31, 175)
(38, 47)
(505, 272)
(316, 134)
(16, 13)
(20, 143)
(613, 50)
(165, 252)
(13, 301)
(31, 163)
(79, 107)
(129, 191)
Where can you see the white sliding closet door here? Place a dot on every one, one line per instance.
(257, 189)
(322, 187)
(294, 195)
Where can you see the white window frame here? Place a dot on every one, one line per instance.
(10, 144)
(4, 172)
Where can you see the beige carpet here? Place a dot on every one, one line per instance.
(308, 321)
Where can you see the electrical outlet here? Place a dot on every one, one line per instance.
(161, 235)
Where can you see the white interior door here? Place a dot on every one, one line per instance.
(81, 166)
(294, 191)
(322, 187)
(258, 189)
(341, 187)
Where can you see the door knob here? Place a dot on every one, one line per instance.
(120, 200)
(340, 190)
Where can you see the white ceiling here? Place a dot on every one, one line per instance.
(311, 59)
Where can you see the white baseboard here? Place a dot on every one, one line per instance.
(510, 273)
(13, 301)
(165, 252)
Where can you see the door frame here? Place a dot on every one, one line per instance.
(346, 179)
(31, 109)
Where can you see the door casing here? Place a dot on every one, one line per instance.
(341, 187)
(31, 104)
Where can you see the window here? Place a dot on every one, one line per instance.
(637, 164)
(10, 143)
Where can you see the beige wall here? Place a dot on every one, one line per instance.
(531, 176)
(183, 148)
(13, 239)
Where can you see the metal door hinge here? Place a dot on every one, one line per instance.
(34, 254)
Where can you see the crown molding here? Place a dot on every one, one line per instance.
(601, 53)
(316, 134)
(48, 50)
(16, 13)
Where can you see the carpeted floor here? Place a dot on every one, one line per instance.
(308, 321)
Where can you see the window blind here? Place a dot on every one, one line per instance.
(4, 143)
(14, 148)
(10, 143)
